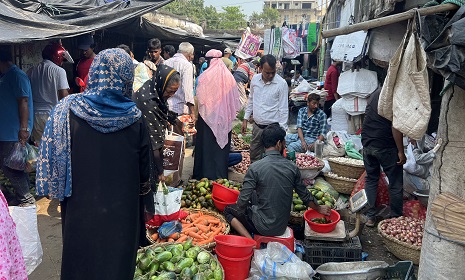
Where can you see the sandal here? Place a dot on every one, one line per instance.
(371, 222)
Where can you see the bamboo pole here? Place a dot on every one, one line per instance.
(388, 20)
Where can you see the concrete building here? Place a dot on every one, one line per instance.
(296, 11)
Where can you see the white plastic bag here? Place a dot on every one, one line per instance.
(17, 157)
(278, 262)
(410, 165)
(25, 219)
(304, 86)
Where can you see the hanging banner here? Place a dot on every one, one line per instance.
(249, 45)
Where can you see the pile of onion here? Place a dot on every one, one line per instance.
(307, 161)
(243, 166)
(405, 229)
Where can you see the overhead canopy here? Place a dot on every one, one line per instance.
(145, 28)
(25, 21)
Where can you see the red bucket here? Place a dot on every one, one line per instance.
(233, 246)
(224, 193)
(220, 204)
(235, 268)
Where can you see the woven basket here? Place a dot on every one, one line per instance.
(346, 170)
(402, 250)
(341, 185)
(311, 172)
(208, 246)
(143, 249)
(296, 218)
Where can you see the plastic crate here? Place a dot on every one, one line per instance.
(402, 270)
(320, 252)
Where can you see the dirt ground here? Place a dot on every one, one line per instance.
(49, 223)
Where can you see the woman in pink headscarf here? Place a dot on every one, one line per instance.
(218, 98)
(12, 265)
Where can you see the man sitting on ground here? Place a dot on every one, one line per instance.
(311, 125)
(268, 186)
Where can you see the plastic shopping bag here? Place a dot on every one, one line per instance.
(167, 205)
(17, 158)
(278, 262)
(172, 151)
(25, 219)
(31, 158)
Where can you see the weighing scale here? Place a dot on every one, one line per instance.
(357, 203)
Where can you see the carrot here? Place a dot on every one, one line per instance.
(174, 236)
(198, 220)
(195, 235)
(217, 231)
(182, 238)
(214, 221)
(187, 225)
(194, 229)
(170, 240)
(154, 236)
(209, 217)
(203, 228)
(206, 241)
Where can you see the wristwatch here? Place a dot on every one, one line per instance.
(24, 129)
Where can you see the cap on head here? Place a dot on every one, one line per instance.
(227, 50)
(85, 42)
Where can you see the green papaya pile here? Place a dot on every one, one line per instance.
(198, 194)
(324, 198)
(177, 261)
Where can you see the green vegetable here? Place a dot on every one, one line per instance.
(213, 265)
(176, 252)
(193, 252)
(167, 276)
(140, 255)
(169, 266)
(218, 274)
(187, 262)
(297, 201)
(187, 245)
(199, 276)
(299, 207)
(203, 257)
(187, 273)
(194, 268)
(154, 268)
(328, 204)
(138, 272)
(144, 264)
(158, 250)
(176, 259)
(164, 256)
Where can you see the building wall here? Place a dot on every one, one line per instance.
(296, 11)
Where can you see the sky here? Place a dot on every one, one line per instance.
(248, 6)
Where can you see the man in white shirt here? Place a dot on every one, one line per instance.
(267, 103)
(49, 84)
(182, 102)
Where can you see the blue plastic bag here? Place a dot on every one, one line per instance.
(168, 228)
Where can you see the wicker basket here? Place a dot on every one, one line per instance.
(143, 249)
(296, 218)
(346, 170)
(311, 172)
(340, 184)
(208, 246)
(402, 250)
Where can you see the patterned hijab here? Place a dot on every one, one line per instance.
(149, 99)
(105, 105)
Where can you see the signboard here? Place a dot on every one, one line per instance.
(349, 47)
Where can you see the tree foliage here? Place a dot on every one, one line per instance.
(267, 17)
(208, 17)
